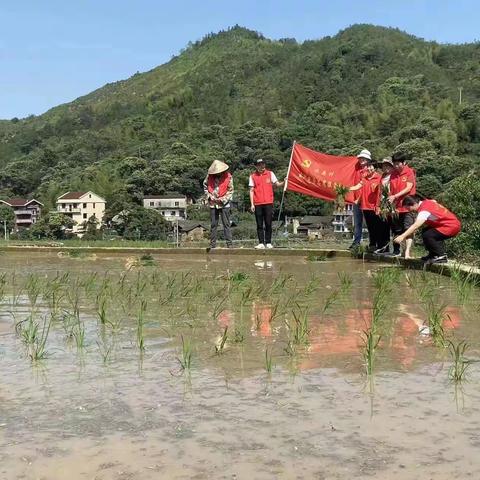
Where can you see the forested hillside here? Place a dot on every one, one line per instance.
(237, 96)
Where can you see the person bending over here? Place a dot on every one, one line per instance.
(440, 225)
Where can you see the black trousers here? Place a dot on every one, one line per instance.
(383, 232)
(264, 217)
(397, 224)
(434, 242)
(373, 226)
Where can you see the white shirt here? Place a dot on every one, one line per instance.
(273, 179)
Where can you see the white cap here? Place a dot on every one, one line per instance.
(365, 154)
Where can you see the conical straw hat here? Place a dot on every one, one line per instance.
(217, 167)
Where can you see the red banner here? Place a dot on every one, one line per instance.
(318, 174)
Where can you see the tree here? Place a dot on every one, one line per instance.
(52, 225)
(7, 217)
(140, 223)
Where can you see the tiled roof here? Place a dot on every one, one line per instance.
(72, 195)
(164, 197)
(19, 202)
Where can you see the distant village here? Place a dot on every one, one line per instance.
(83, 207)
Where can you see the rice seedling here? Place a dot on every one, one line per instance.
(238, 336)
(186, 359)
(311, 286)
(35, 339)
(78, 333)
(300, 330)
(279, 283)
(371, 339)
(247, 296)
(435, 317)
(458, 370)
(274, 311)
(220, 346)
(140, 325)
(316, 257)
(102, 311)
(105, 350)
(33, 288)
(146, 260)
(218, 307)
(268, 360)
(465, 283)
(330, 300)
(345, 282)
(238, 277)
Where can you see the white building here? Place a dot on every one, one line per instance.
(172, 206)
(343, 219)
(80, 207)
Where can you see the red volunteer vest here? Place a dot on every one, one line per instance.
(262, 188)
(360, 173)
(398, 182)
(222, 186)
(443, 220)
(369, 192)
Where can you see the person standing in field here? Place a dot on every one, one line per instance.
(441, 224)
(261, 184)
(402, 183)
(367, 201)
(218, 188)
(363, 157)
(383, 217)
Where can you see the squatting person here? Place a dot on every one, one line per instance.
(440, 223)
(261, 184)
(218, 188)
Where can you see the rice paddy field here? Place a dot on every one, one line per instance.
(115, 367)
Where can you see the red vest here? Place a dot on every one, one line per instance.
(369, 191)
(222, 186)
(262, 188)
(443, 220)
(398, 182)
(359, 175)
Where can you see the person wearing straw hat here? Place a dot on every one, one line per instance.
(218, 188)
(363, 157)
(261, 183)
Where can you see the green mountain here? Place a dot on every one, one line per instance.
(236, 96)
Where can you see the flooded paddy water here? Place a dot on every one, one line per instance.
(176, 367)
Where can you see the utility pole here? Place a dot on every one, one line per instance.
(5, 229)
(460, 95)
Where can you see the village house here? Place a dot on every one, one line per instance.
(192, 230)
(173, 206)
(313, 226)
(80, 207)
(26, 211)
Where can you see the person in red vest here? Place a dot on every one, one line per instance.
(367, 201)
(402, 183)
(218, 187)
(261, 184)
(360, 170)
(440, 223)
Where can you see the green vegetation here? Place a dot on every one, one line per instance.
(367, 86)
(460, 364)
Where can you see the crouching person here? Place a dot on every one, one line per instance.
(218, 187)
(441, 224)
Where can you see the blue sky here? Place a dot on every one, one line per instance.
(53, 51)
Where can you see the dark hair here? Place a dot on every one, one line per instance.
(411, 200)
(400, 157)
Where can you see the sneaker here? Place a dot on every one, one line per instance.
(260, 246)
(353, 246)
(269, 245)
(382, 250)
(442, 259)
(426, 258)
